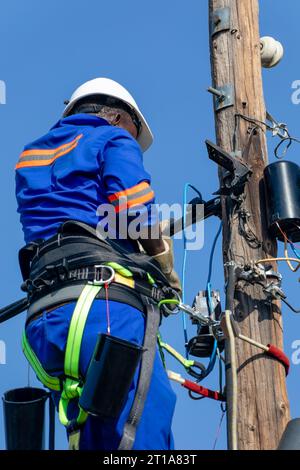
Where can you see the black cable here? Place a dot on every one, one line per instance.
(290, 306)
(276, 298)
(259, 123)
(195, 397)
(230, 288)
(220, 372)
(290, 141)
(245, 231)
(14, 309)
(51, 423)
(224, 407)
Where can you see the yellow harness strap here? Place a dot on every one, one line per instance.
(72, 387)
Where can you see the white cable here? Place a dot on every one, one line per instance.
(234, 391)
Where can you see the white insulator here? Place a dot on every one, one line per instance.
(271, 52)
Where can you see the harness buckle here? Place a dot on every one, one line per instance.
(99, 277)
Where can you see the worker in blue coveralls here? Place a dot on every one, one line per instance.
(93, 156)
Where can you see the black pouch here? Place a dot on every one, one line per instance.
(24, 418)
(110, 376)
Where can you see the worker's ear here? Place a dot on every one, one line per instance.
(117, 120)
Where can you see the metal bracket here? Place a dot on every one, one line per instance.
(237, 171)
(223, 96)
(265, 276)
(237, 154)
(220, 20)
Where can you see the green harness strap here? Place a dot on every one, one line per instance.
(192, 367)
(126, 273)
(71, 386)
(187, 364)
(50, 382)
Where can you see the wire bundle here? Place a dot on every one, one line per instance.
(214, 353)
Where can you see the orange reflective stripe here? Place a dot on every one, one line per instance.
(27, 153)
(128, 192)
(135, 202)
(32, 160)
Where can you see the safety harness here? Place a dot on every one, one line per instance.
(67, 268)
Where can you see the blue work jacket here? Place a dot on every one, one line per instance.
(80, 164)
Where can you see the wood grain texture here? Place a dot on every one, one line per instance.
(263, 408)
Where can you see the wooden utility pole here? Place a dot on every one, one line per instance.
(263, 408)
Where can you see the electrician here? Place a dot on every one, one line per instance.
(93, 156)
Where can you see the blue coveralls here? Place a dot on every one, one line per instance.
(81, 163)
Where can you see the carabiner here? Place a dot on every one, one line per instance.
(98, 279)
(177, 299)
(191, 370)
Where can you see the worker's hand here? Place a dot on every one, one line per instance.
(166, 260)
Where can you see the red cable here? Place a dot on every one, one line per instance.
(280, 356)
(286, 237)
(205, 392)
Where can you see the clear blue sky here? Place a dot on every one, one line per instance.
(159, 51)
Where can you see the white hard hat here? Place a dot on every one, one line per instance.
(108, 87)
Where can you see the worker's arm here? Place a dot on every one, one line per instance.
(161, 249)
(153, 247)
(128, 187)
(152, 241)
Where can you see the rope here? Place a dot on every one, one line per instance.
(286, 258)
(234, 387)
(219, 430)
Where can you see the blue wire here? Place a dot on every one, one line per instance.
(183, 272)
(184, 323)
(213, 357)
(296, 252)
(209, 298)
(212, 361)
